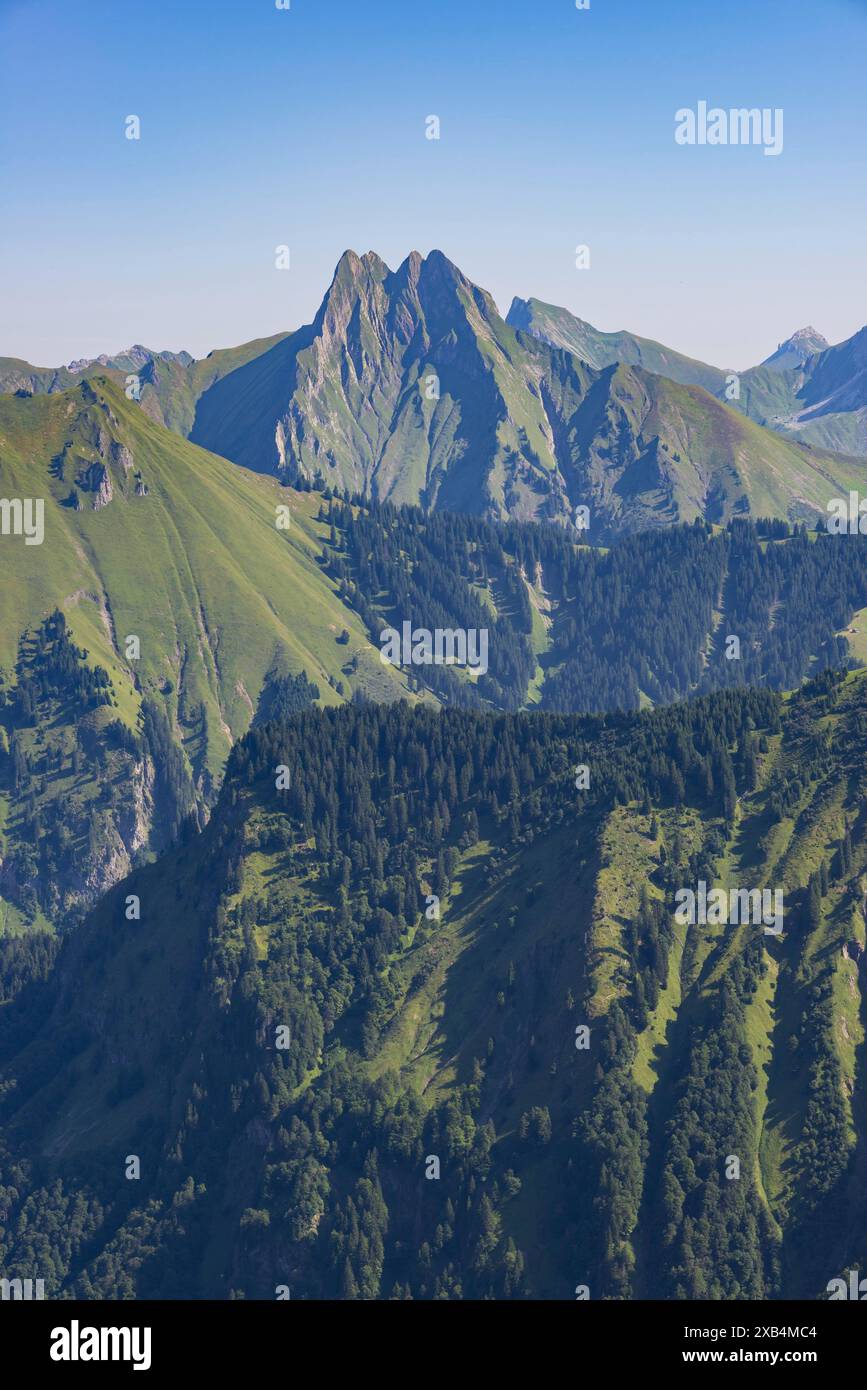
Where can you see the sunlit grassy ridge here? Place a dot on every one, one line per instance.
(186, 556)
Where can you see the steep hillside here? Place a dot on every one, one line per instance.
(80, 792)
(172, 576)
(640, 451)
(659, 617)
(170, 393)
(148, 535)
(806, 390)
(360, 1064)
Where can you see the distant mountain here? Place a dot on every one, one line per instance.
(805, 390)
(132, 360)
(561, 329)
(169, 383)
(822, 399)
(16, 375)
(409, 387)
(795, 351)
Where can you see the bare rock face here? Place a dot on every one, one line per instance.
(96, 479)
(121, 456)
(124, 833)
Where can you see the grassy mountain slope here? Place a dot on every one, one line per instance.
(148, 537)
(170, 392)
(644, 452)
(806, 390)
(562, 329)
(186, 555)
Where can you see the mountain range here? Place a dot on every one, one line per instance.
(329, 976)
(409, 387)
(187, 606)
(167, 611)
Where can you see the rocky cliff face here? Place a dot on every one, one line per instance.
(123, 833)
(409, 387)
(96, 479)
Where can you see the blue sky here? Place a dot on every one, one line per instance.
(306, 127)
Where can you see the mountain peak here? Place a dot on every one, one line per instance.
(519, 314)
(375, 265)
(795, 350)
(349, 264)
(410, 267)
(438, 262)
